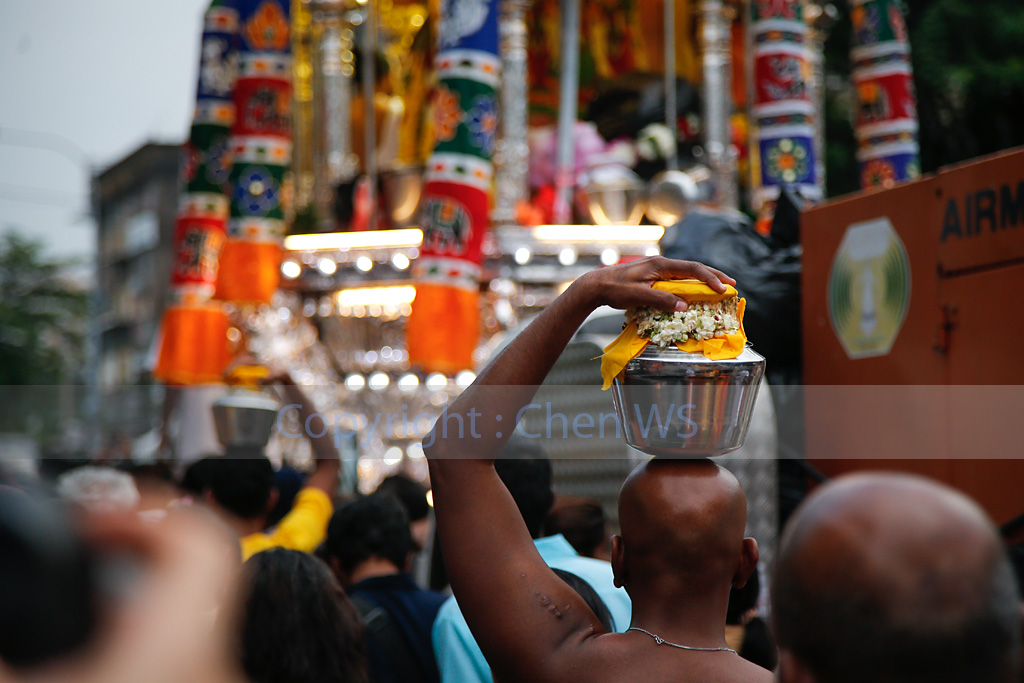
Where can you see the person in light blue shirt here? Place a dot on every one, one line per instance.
(526, 472)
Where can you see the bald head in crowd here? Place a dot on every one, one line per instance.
(894, 578)
(682, 525)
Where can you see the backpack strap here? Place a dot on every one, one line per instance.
(381, 628)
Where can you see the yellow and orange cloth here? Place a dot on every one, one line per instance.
(629, 344)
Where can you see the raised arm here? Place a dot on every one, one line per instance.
(526, 620)
(328, 464)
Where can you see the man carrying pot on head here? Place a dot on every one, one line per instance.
(240, 485)
(681, 547)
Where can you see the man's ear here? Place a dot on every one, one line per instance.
(619, 561)
(272, 500)
(747, 565)
(790, 670)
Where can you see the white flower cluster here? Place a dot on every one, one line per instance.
(655, 141)
(700, 321)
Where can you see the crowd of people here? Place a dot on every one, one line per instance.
(236, 573)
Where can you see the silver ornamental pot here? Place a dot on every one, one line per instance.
(400, 194)
(671, 194)
(682, 405)
(619, 204)
(614, 194)
(245, 417)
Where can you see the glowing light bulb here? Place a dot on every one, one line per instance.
(400, 261)
(327, 266)
(610, 257)
(436, 381)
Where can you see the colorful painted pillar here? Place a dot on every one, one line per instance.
(444, 326)
(193, 343)
(230, 223)
(783, 117)
(262, 150)
(886, 125)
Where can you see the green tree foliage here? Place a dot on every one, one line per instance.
(42, 318)
(969, 72)
(968, 58)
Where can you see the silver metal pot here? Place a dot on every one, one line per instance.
(400, 195)
(677, 404)
(614, 195)
(245, 417)
(671, 194)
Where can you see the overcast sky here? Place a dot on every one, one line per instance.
(95, 80)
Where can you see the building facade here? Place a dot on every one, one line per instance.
(134, 201)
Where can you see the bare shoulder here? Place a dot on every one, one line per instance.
(603, 658)
(734, 669)
(614, 658)
(748, 671)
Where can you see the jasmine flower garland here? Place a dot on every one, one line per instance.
(700, 321)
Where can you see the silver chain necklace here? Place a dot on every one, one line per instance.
(661, 641)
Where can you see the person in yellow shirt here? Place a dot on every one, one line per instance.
(241, 488)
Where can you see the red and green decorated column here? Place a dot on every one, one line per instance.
(444, 326)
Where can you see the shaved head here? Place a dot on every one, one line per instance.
(888, 577)
(682, 526)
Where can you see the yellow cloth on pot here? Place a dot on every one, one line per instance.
(629, 344)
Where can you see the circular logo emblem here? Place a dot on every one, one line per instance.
(869, 288)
